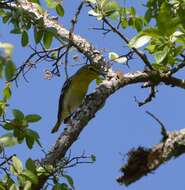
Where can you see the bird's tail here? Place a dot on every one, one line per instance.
(56, 127)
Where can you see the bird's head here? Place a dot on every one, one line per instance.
(91, 71)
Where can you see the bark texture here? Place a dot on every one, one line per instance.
(141, 161)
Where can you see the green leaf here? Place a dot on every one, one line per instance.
(148, 15)
(54, 55)
(93, 157)
(176, 35)
(150, 48)
(132, 11)
(14, 187)
(64, 186)
(123, 59)
(33, 118)
(2, 12)
(30, 176)
(8, 140)
(166, 14)
(159, 66)
(17, 164)
(28, 25)
(7, 17)
(15, 31)
(31, 137)
(21, 180)
(3, 106)
(32, 133)
(110, 8)
(51, 3)
(99, 81)
(30, 165)
(52, 30)
(60, 10)
(124, 22)
(138, 24)
(8, 48)
(8, 180)
(19, 134)
(45, 171)
(115, 57)
(95, 14)
(69, 180)
(27, 185)
(151, 31)
(38, 34)
(18, 114)
(2, 148)
(48, 37)
(1, 111)
(7, 91)
(56, 187)
(139, 41)
(161, 55)
(9, 70)
(35, 1)
(29, 141)
(24, 38)
(2, 187)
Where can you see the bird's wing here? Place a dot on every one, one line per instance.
(62, 94)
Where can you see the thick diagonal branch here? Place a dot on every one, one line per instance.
(91, 105)
(94, 101)
(81, 44)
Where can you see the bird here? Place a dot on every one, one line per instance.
(74, 91)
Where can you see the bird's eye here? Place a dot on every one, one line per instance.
(91, 68)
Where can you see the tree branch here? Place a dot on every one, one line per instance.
(142, 161)
(94, 101)
(126, 40)
(81, 44)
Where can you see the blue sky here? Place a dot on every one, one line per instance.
(117, 128)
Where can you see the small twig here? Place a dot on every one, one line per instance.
(77, 160)
(138, 52)
(73, 23)
(149, 98)
(44, 54)
(71, 162)
(177, 68)
(77, 163)
(100, 29)
(7, 160)
(164, 132)
(128, 57)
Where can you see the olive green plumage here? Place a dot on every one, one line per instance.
(74, 91)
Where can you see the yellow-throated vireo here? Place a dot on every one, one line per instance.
(74, 91)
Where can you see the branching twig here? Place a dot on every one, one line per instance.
(78, 160)
(138, 52)
(92, 103)
(41, 55)
(177, 68)
(149, 98)
(73, 23)
(164, 132)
